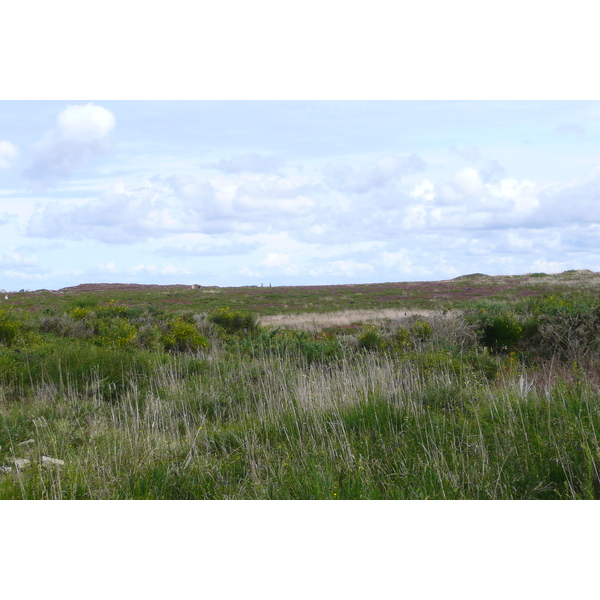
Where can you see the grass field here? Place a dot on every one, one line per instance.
(475, 388)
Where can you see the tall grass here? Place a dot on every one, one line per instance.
(429, 412)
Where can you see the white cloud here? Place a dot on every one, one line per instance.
(522, 193)
(424, 191)
(275, 259)
(158, 207)
(128, 214)
(250, 273)
(81, 131)
(15, 259)
(85, 123)
(468, 181)
(391, 259)
(107, 267)
(544, 266)
(8, 152)
(280, 262)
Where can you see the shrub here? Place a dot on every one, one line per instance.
(80, 313)
(65, 325)
(371, 339)
(421, 330)
(501, 332)
(401, 339)
(234, 321)
(111, 309)
(498, 328)
(149, 336)
(116, 332)
(11, 328)
(183, 337)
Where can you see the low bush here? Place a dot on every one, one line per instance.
(371, 339)
(12, 329)
(498, 327)
(234, 321)
(115, 332)
(182, 336)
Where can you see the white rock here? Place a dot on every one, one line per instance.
(21, 463)
(5, 470)
(26, 442)
(47, 460)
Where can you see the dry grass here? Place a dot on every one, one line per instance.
(314, 322)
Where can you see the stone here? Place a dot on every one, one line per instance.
(47, 461)
(26, 442)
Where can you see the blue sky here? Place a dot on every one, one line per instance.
(295, 192)
(301, 144)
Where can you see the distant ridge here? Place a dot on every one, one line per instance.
(471, 276)
(569, 277)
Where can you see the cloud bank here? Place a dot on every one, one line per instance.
(81, 131)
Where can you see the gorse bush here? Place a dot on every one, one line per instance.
(234, 321)
(501, 332)
(112, 309)
(115, 332)
(11, 328)
(421, 330)
(78, 313)
(371, 339)
(182, 336)
(499, 328)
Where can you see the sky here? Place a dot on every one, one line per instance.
(312, 143)
(239, 192)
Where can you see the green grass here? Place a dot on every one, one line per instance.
(150, 401)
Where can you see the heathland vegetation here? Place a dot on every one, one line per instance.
(475, 388)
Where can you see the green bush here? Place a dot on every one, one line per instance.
(234, 321)
(371, 339)
(422, 330)
(79, 313)
(111, 309)
(182, 336)
(499, 329)
(115, 332)
(501, 332)
(401, 339)
(11, 328)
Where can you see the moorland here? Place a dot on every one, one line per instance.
(479, 387)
